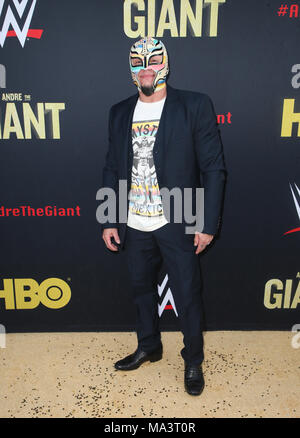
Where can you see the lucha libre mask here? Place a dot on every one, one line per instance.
(145, 49)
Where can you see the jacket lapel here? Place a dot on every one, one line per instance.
(128, 154)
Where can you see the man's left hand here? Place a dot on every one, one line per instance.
(201, 240)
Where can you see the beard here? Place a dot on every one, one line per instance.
(148, 90)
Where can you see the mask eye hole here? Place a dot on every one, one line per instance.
(155, 60)
(136, 62)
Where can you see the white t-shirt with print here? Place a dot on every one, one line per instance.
(145, 210)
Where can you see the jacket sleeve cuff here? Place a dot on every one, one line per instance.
(108, 225)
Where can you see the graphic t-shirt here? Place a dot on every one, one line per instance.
(145, 211)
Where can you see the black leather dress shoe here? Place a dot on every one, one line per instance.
(134, 360)
(193, 379)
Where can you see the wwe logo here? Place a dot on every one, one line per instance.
(10, 20)
(168, 298)
(296, 197)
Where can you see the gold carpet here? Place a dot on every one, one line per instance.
(247, 374)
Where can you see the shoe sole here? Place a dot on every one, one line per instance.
(154, 357)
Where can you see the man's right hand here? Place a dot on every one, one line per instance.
(107, 235)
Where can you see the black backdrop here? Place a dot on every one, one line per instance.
(81, 60)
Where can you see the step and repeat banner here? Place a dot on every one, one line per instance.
(63, 64)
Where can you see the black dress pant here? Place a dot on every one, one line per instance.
(145, 252)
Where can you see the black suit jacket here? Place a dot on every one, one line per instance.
(187, 152)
